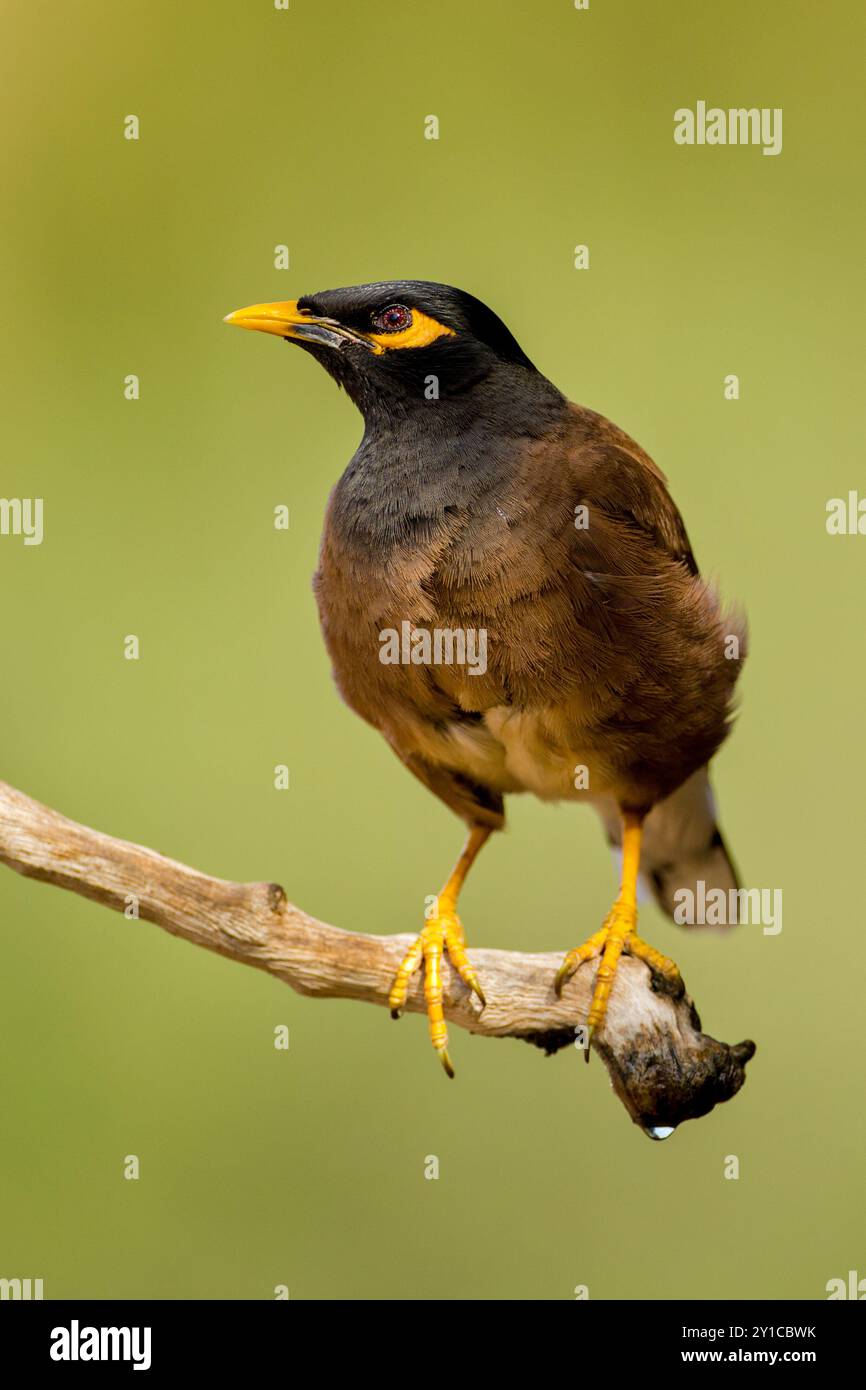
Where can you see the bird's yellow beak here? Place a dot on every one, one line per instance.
(282, 318)
(286, 320)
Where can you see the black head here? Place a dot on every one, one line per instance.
(395, 343)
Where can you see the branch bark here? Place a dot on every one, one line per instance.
(662, 1067)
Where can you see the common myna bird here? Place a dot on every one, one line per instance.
(508, 594)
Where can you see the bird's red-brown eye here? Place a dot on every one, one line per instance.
(393, 319)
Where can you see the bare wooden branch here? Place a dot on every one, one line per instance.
(662, 1066)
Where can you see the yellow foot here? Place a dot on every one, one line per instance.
(443, 933)
(615, 936)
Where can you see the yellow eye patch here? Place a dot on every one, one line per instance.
(421, 331)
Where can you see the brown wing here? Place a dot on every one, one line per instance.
(628, 487)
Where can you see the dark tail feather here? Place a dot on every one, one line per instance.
(681, 845)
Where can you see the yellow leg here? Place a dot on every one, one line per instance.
(617, 934)
(442, 933)
(663, 965)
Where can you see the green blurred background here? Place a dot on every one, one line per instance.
(305, 127)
